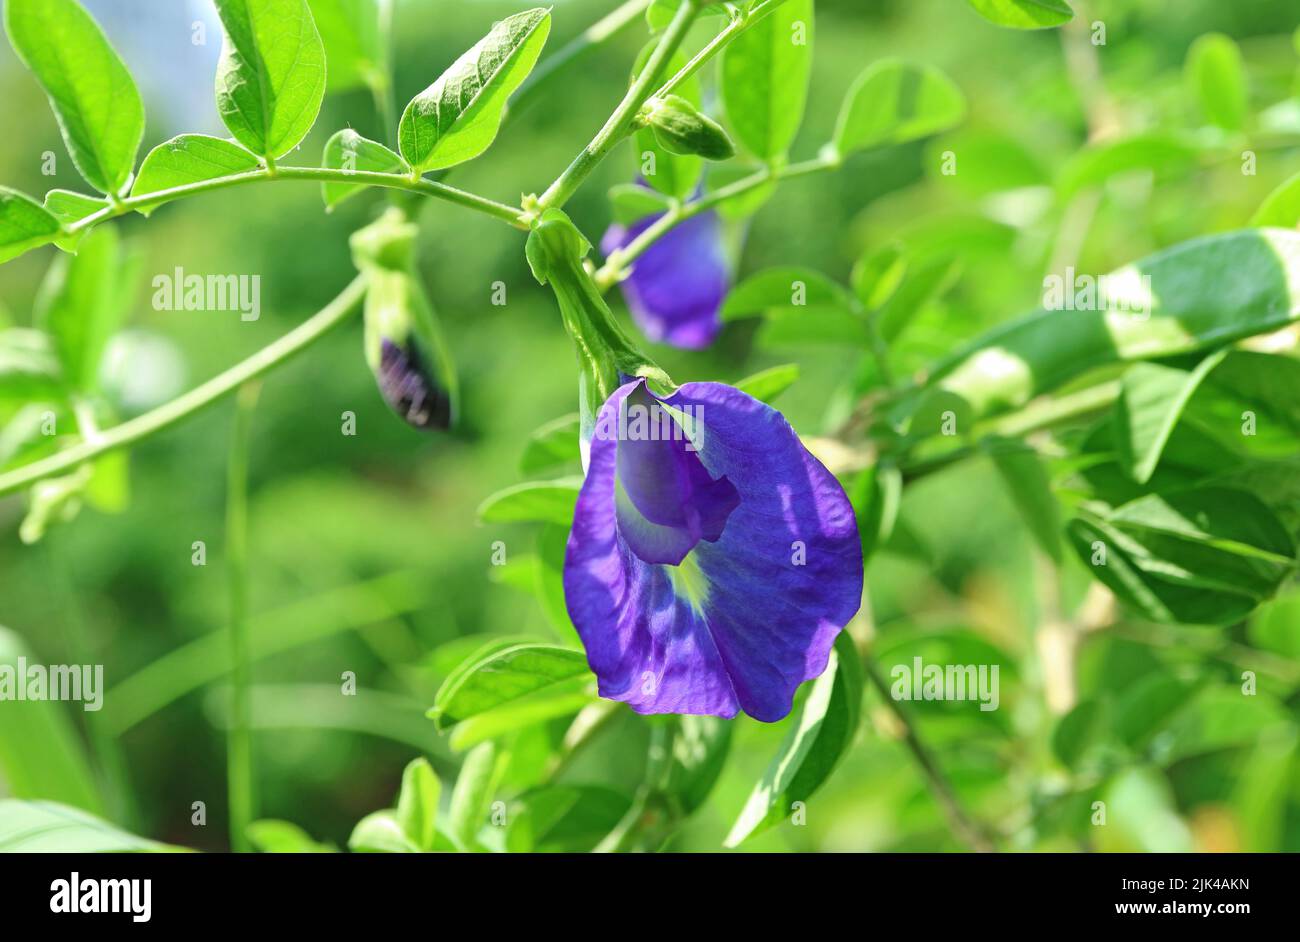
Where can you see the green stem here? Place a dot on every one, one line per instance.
(182, 407)
(450, 194)
(720, 41)
(620, 122)
(239, 740)
(615, 267)
(963, 825)
(1038, 415)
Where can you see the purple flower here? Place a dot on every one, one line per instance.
(677, 286)
(712, 560)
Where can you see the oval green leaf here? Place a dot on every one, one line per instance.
(893, 102)
(764, 82)
(191, 158)
(271, 77)
(24, 224)
(94, 97)
(347, 151)
(502, 675)
(457, 117)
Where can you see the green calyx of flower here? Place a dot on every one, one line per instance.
(607, 355)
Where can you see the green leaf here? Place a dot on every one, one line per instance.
(1030, 488)
(1024, 14)
(347, 150)
(472, 795)
(893, 102)
(1080, 733)
(98, 106)
(354, 43)
(24, 225)
(1163, 155)
(764, 79)
(497, 677)
(380, 833)
(821, 731)
(1280, 208)
(1152, 398)
(191, 158)
(786, 288)
(878, 274)
(565, 818)
(271, 77)
(921, 284)
(29, 366)
(765, 386)
(1216, 81)
(41, 752)
(457, 117)
(1195, 296)
(548, 584)
(79, 307)
(558, 700)
(630, 203)
(700, 751)
(417, 803)
(876, 494)
(533, 502)
(47, 827)
(69, 207)
(1141, 815)
(1206, 555)
(270, 836)
(1222, 718)
(553, 445)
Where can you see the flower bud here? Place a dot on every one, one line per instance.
(681, 128)
(403, 343)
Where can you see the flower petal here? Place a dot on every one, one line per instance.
(677, 286)
(743, 620)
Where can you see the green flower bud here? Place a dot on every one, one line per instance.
(681, 128)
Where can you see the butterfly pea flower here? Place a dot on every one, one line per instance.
(712, 559)
(403, 343)
(676, 288)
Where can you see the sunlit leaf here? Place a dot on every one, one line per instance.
(1217, 81)
(188, 159)
(893, 102)
(24, 224)
(1024, 14)
(534, 501)
(821, 730)
(98, 106)
(347, 150)
(457, 117)
(764, 79)
(271, 77)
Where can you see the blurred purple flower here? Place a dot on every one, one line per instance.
(677, 286)
(710, 568)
